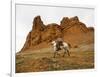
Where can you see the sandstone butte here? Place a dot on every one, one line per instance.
(72, 30)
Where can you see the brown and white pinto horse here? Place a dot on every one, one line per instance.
(65, 46)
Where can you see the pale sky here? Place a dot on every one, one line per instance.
(26, 13)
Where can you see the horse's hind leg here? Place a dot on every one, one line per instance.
(68, 52)
(64, 53)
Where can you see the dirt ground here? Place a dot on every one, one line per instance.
(81, 57)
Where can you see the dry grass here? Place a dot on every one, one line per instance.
(42, 60)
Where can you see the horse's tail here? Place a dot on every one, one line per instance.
(69, 45)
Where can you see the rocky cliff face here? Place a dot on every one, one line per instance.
(38, 24)
(73, 25)
(69, 29)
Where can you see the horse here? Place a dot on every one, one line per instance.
(65, 47)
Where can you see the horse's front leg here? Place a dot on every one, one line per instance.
(54, 54)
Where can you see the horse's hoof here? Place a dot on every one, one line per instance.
(68, 55)
(54, 57)
(63, 56)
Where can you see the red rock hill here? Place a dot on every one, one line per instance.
(70, 29)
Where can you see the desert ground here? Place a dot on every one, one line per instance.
(39, 60)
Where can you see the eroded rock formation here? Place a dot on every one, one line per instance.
(70, 29)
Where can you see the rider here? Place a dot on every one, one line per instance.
(59, 42)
